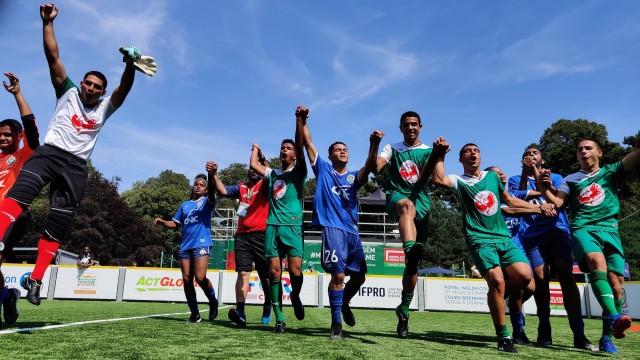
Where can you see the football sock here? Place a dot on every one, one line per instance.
(192, 300)
(544, 319)
(502, 332)
(267, 292)
(602, 291)
(9, 212)
(296, 285)
(211, 292)
(240, 307)
(335, 301)
(405, 302)
(618, 303)
(407, 245)
(577, 327)
(3, 292)
(607, 331)
(46, 252)
(517, 321)
(276, 299)
(350, 290)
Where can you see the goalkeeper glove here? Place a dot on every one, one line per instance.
(142, 63)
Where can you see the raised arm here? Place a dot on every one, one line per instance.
(632, 160)
(212, 171)
(48, 13)
(28, 120)
(371, 164)
(312, 152)
(440, 148)
(302, 113)
(254, 162)
(545, 186)
(126, 83)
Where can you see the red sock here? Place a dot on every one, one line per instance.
(46, 252)
(9, 211)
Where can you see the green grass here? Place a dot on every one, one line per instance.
(432, 334)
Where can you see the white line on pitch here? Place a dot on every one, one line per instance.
(49, 327)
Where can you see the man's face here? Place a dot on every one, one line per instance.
(287, 153)
(91, 89)
(470, 156)
(200, 188)
(9, 141)
(534, 156)
(588, 153)
(253, 176)
(339, 154)
(86, 250)
(410, 128)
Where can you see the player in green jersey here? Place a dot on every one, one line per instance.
(499, 260)
(284, 222)
(590, 196)
(408, 203)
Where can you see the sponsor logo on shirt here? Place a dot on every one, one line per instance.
(191, 218)
(409, 171)
(351, 179)
(591, 195)
(486, 203)
(11, 160)
(80, 123)
(279, 189)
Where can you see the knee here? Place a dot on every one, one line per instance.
(58, 223)
(405, 207)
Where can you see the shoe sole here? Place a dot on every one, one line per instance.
(620, 326)
(236, 318)
(298, 309)
(349, 319)
(13, 304)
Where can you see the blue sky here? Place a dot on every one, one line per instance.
(231, 73)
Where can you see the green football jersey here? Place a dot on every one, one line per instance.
(285, 196)
(405, 164)
(593, 198)
(480, 200)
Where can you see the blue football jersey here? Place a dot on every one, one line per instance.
(336, 200)
(195, 218)
(536, 225)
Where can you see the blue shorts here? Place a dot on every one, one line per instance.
(194, 253)
(342, 252)
(553, 244)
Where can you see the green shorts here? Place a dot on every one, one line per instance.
(422, 207)
(608, 243)
(489, 255)
(283, 240)
(421, 220)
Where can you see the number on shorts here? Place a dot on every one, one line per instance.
(328, 254)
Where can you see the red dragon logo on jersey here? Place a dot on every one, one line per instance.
(591, 195)
(409, 171)
(279, 189)
(486, 203)
(80, 123)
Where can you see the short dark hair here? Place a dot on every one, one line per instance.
(334, 144)
(586, 138)
(490, 168)
(200, 177)
(14, 125)
(465, 145)
(410, 114)
(531, 147)
(99, 75)
(288, 141)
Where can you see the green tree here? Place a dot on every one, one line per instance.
(446, 246)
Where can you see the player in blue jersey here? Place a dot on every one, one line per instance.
(546, 241)
(195, 217)
(335, 208)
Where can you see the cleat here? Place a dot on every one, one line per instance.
(213, 310)
(584, 344)
(336, 331)
(33, 289)
(237, 317)
(403, 324)
(415, 254)
(620, 323)
(506, 345)
(521, 339)
(607, 346)
(280, 326)
(11, 307)
(194, 318)
(298, 308)
(266, 315)
(347, 315)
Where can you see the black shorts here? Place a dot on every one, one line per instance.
(249, 249)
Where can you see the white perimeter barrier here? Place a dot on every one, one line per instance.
(378, 292)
